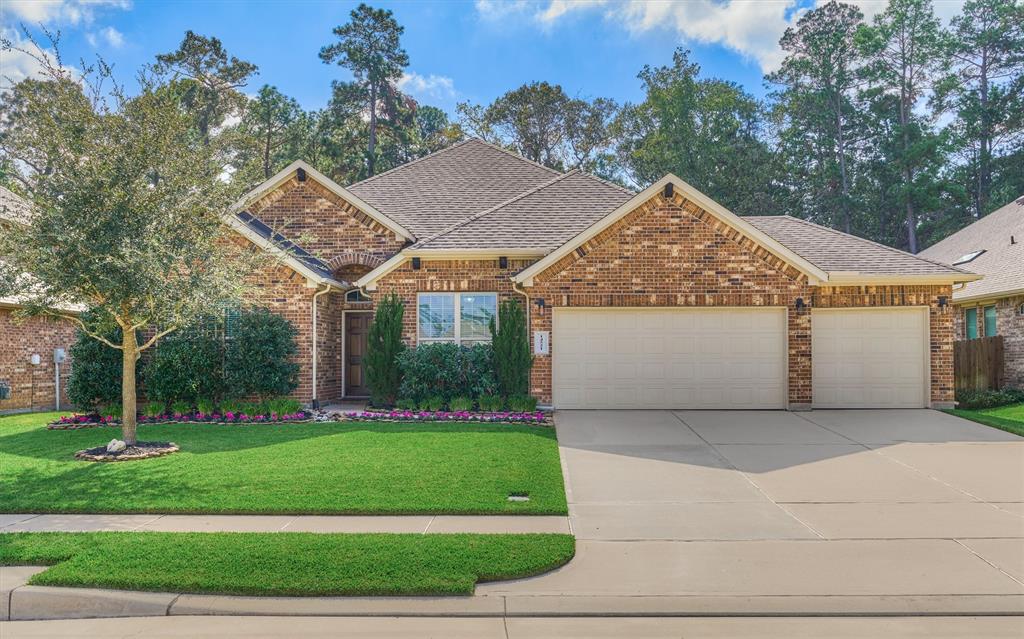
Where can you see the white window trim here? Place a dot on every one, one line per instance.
(457, 305)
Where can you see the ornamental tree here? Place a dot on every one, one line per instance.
(127, 211)
(512, 358)
(383, 374)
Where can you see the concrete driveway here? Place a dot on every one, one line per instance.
(887, 511)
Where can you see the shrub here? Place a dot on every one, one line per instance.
(433, 403)
(512, 359)
(407, 404)
(979, 399)
(460, 404)
(522, 404)
(112, 410)
(258, 359)
(181, 407)
(96, 374)
(282, 406)
(206, 406)
(185, 366)
(446, 370)
(231, 406)
(491, 403)
(384, 348)
(153, 409)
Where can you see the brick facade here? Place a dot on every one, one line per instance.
(32, 387)
(1009, 324)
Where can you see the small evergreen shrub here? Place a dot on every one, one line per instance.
(522, 404)
(181, 407)
(384, 349)
(96, 375)
(206, 406)
(186, 365)
(153, 409)
(461, 404)
(112, 410)
(233, 406)
(258, 359)
(511, 343)
(282, 406)
(434, 403)
(981, 399)
(446, 370)
(407, 404)
(491, 403)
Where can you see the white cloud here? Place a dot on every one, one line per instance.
(113, 37)
(438, 87)
(16, 65)
(56, 11)
(751, 28)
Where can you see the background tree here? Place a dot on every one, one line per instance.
(820, 123)
(369, 46)
(985, 91)
(384, 346)
(210, 80)
(130, 197)
(904, 56)
(707, 131)
(268, 121)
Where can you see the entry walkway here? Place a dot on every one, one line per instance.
(285, 523)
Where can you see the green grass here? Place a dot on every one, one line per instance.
(333, 468)
(297, 564)
(1009, 418)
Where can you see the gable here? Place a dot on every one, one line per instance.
(669, 246)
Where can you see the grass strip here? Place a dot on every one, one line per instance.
(284, 564)
(1008, 418)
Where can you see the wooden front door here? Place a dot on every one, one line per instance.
(357, 329)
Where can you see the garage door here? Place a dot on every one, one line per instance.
(869, 358)
(669, 358)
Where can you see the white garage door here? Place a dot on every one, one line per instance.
(669, 358)
(869, 358)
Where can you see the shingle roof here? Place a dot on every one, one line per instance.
(542, 218)
(1002, 263)
(432, 193)
(313, 263)
(832, 250)
(13, 207)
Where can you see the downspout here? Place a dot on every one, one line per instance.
(316, 402)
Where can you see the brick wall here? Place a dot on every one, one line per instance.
(1009, 324)
(32, 387)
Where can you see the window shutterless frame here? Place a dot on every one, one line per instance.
(971, 322)
(453, 303)
(989, 320)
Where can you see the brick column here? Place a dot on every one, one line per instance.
(799, 337)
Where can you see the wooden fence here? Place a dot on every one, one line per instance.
(978, 363)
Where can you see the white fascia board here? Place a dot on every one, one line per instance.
(369, 280)
(690, 193)
(285, 174)
(853, 278)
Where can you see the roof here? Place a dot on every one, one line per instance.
(289, 247)
(541, 219)
(432, 193)
(1002, 262)
(841, 253)
(13, 207)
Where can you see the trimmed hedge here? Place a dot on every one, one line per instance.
(978, 399)
(442, 371)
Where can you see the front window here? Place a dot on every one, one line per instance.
(990, 321)
(463, 318)
(971, 322)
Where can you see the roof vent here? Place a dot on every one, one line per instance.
(301, 175)
(967, 257)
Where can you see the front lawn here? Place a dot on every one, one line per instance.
(1009, 418)
(298, 564)
(324, 468)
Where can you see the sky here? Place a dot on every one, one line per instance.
(471, 50)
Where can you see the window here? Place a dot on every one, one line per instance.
(356, 295)
(971, 322)
(463, 318)
(990, 321)
(1020, 310)
(232, 316)
(967, 257)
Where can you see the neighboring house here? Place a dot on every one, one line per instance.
(23, 385)
(994, 247)
(656, 299)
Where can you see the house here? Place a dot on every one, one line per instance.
(656, 299)
(29, 377)
(994, 247)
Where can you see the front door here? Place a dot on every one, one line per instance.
(357, 329)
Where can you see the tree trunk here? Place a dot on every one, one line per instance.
(130, 355)
(844, 183)
(371, 149)
(985, 156)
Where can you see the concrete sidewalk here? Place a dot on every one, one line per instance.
(285, 523)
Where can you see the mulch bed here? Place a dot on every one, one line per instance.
(75, 425)
(141, 450)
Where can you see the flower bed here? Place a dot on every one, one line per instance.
(92, 421)
(536, 417)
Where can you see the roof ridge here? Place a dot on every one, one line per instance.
(500, 205)
(878, 244)
(607, 182)
(514, 154)
(411, 162)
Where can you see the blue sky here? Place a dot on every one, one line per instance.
(459, 50)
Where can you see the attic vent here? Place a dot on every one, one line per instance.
(581, 252)
(301, 175)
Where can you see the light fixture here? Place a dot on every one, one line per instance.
(800, 304)
(540, 305)
(415, 263)
(943, 301)
(502, 262)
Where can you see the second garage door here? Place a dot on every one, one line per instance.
(669, 358)
(869, 358)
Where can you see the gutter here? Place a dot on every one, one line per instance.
(319, 292)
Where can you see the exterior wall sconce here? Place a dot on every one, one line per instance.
(800, 305)
(540, 305)
(943, 301)
(415, 263)
(502, 262)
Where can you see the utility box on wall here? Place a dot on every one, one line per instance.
(5, 389)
